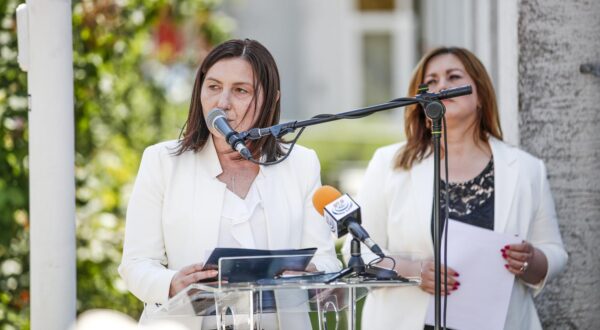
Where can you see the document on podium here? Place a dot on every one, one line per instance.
(481, 301)
(251, 265)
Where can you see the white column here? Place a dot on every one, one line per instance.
(51, 163)
(404, 54)
(482, 32)
(508, 69)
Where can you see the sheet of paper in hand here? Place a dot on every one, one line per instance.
(482, 300)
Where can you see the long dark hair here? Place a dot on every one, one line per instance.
(418, 136)
(266, 78)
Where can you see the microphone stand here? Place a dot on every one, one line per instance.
(356, 264)
(435, 110)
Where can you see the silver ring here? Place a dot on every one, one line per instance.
(524, 267)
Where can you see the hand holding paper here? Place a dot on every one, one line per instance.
(428, 279)
(481, 301)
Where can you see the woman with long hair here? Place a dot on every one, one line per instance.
(491, 185)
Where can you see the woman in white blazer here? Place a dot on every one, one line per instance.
(197, 193)
(491, 185)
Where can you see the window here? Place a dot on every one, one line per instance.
(376, 5)
(377, 67)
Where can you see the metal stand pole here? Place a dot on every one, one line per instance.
(435, 110)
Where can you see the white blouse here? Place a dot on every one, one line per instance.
(238, 211)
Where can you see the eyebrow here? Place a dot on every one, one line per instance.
(447, 71)
(236, 83)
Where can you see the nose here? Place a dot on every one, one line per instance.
(224, 101)
(441, 85)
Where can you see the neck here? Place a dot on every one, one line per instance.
(229, 158)
(462, 142)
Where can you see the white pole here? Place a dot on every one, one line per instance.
(508, 69)
(51, 163)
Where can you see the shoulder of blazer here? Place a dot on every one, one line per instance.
(505, 153)
(387, 154)
(163, 157)
(301, 158)
(165, 149)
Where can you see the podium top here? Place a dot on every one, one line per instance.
(306, 292)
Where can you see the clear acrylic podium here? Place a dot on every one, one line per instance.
(288, 301)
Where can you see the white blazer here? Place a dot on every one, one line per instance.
(397, 212)
(174, 213)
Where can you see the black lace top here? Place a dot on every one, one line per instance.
(471, 202)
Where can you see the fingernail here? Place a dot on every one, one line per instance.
(502, 250)
(506, 266)
(507, 247)
(504, 255)
(456, 274)
(457, 283)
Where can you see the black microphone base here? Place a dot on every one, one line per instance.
(380, 273)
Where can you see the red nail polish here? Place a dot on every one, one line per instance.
(506, 266)
(503, 255)
(456, 274)
(507, 247)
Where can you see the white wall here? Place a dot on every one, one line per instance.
(317, 45)
(489, 29)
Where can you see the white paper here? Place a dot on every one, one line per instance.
(481, 301)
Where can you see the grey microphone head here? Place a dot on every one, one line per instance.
(213, 115)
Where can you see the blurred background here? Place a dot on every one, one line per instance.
(134, 65)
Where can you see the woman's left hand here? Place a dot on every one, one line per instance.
(519, 257)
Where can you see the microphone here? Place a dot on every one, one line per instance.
(455, 92)
(342, 214)
(217, 120)
(424, 95)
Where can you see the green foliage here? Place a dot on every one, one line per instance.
(14, 194)
(121, 106)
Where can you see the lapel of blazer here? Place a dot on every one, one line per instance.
(208, 196)
(422, 199)
(505, 182)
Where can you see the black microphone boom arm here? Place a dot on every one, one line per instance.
(280, 130)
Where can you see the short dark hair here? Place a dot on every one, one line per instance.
(266, 79)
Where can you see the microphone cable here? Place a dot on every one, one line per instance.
(284, 157)
(380, 259)
(446, 210)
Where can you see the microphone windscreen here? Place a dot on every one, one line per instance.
(323, 196)
(212, 115)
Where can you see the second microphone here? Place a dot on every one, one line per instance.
(342, 214)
